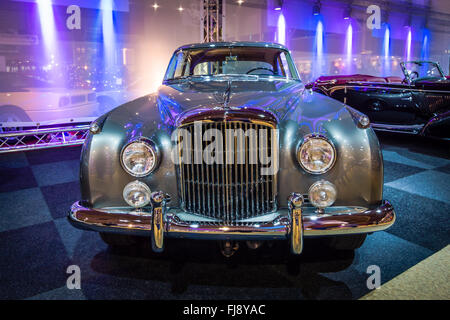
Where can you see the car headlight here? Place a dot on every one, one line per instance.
(139, 158)
(322, 194)
(316, 154)
(137, 194)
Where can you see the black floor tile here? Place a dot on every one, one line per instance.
(12, 179)
(420, 220)
(60, 197)
(444, 169)
(33, 260)
(394, 171)
(54, 155)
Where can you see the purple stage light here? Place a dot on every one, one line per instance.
(109, 41)
(408, 44)
(387, 50)
(318, 52)
(47, 21)
(425, 52)
(281, 30)
(348, 47)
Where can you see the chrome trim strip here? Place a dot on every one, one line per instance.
(295, 202)
(415, 128)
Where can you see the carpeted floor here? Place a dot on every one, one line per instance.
(37, 244)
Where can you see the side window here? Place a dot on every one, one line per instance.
(179, 64)
(284, 66)
(172, 65)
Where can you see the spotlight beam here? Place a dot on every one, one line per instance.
(47, 21)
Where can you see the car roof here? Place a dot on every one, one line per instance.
(223, 44)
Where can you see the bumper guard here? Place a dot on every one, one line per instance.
(294, 223)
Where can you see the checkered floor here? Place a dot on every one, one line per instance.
(37, 244)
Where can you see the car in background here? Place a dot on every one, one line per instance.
(27, 100)
(418, 103)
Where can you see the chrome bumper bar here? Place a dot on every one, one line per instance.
(297, 221)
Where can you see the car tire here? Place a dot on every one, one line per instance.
(12, 114)
(347, 242)
(118, 240)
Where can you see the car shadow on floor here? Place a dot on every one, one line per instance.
(186, 263)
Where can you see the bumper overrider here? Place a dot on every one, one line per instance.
(294, 223)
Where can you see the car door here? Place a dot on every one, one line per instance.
(382, 103)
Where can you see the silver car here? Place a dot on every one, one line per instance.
(232, 147)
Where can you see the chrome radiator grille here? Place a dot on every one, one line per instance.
(229, 192)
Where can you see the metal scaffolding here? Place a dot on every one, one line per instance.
(213, 18)
(43, 138)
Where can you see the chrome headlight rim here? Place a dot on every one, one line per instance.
(153, 149)
(309, 137)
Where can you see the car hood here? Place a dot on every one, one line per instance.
(284, 100)
(279, 97)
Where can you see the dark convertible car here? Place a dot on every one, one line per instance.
(418, 104)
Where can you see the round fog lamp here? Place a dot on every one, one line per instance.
(322, 194)
(137, 194)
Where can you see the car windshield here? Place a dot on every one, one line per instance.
(231, 61)
(422, 70)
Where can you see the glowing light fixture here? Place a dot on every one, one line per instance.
(239, 2)
(316, 8)
(180, 8)
(347, 13)
(155, 6)
(278, 5)
(407, 23)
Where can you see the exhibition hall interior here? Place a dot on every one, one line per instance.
(224, 150)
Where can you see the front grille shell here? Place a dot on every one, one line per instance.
(230, 192)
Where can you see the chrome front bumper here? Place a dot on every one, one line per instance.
(293, 223)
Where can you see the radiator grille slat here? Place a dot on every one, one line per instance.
(228, 191)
